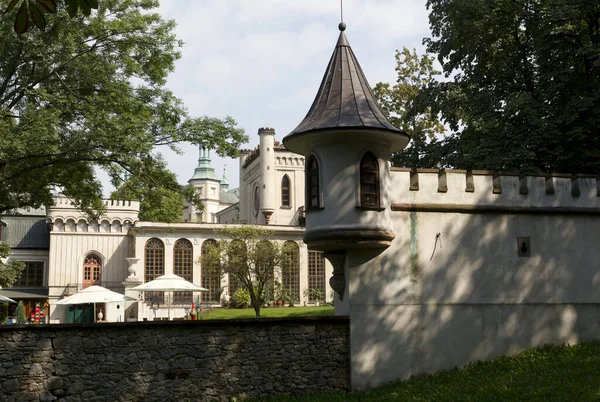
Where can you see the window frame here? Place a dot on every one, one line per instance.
(286, 191)
(364, 174)
(24, 280)
(313, 180)
(154, 296)
(183, 266)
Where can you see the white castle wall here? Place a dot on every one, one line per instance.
(74, 235)
(453, 288)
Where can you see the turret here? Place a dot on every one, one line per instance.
(347, 141)
(268, 197)
(244, 196)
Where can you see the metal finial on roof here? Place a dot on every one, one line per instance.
(342, 26)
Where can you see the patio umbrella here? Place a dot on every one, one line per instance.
(94, 294)
(169, 283)
(4, 299)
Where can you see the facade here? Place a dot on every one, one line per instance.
(439, 268)
(271, 184)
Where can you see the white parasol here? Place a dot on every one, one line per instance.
(169, 283)
(94, 294)
(4, 299)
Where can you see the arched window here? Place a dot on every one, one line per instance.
(92, 270)
(237, 256)
(285, 191)
(369, 181)
(211, 275)
(313, 199)
(182, 266)
(154, 266)
(290, 270)
(316, 276)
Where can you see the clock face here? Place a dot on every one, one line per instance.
(256, 200)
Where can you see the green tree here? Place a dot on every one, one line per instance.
(20, 313)
(90, 94)
(9, 271)
(404, 104)
(525, 87)
(161, 198)
(247, 255)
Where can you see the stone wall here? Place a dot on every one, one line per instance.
(174, 361)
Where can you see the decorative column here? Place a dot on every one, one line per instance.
(132, 308)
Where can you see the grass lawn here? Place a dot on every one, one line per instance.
(268, 312)
(550, 373)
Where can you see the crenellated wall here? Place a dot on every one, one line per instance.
(482, 189)
(118, 217)
(483, 264)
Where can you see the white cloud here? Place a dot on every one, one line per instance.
(261, 61)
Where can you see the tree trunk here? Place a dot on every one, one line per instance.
(256, 306)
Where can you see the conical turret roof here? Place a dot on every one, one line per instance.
(344, 99)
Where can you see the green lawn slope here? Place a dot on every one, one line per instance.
(550, 373)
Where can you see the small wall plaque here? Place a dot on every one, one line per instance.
(523, 247)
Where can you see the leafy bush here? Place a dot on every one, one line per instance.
(20, 314)
(3, 313)
(241, 297)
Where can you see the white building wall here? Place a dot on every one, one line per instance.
(452, 288)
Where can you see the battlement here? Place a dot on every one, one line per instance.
(118, 213)
(481, 190)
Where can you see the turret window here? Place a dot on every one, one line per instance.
(285, 191)
(369, 181)
(313, 193)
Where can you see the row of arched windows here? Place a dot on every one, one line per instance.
(183, 260)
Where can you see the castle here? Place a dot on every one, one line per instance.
(434, 268)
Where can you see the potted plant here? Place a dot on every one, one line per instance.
(292, 297)
(306, 295)
(280, 293)
(316, 295)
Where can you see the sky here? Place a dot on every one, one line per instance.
(261, 61)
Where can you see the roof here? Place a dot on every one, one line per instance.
(229, 197)
(344, 99)
(26, 232)
(204, 170)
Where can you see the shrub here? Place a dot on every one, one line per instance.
(20, 314)
(3, 313)
(241, 297)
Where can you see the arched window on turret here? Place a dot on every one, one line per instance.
(285, 191)
(313, 198)
(369, 181)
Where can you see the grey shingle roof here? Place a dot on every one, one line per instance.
(344, 99)
(26, 232)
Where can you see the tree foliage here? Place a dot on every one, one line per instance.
(32, 12)
(9, 271)
(90, 94)
(404, 105)
(247, 255)
(525, 87)
(161, 198)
